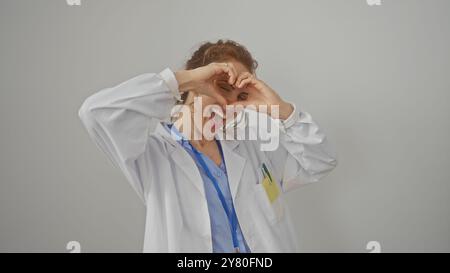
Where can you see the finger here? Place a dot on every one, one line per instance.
(245, 82)
(231, 71)
(241, 77)
(234, 73)
(227, 68)
(219, 68)
(256, 83)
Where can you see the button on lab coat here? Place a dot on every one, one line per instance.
(125, 122)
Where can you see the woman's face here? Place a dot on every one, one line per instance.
(229, 92)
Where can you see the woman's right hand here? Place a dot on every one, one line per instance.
(202, 79)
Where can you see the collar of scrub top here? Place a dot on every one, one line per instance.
(230, 212)
(179, 137)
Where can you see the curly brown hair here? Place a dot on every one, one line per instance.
(220, 51)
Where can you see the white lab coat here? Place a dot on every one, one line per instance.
(125, 123)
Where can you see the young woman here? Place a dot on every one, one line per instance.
(203, 194)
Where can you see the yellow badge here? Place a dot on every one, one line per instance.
(270, 185)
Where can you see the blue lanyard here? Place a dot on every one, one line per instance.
(231, 213)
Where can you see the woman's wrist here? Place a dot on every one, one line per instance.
(286, 110)
(185, 80)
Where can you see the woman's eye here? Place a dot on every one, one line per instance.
(243, 96)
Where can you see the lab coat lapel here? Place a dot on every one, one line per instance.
(182, 159)
(185, 162)
(234, 163)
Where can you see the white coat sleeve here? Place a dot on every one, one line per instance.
(304, 155)
(120, 119)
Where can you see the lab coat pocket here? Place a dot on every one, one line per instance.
(273, 211)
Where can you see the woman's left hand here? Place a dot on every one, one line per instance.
(259, 93)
